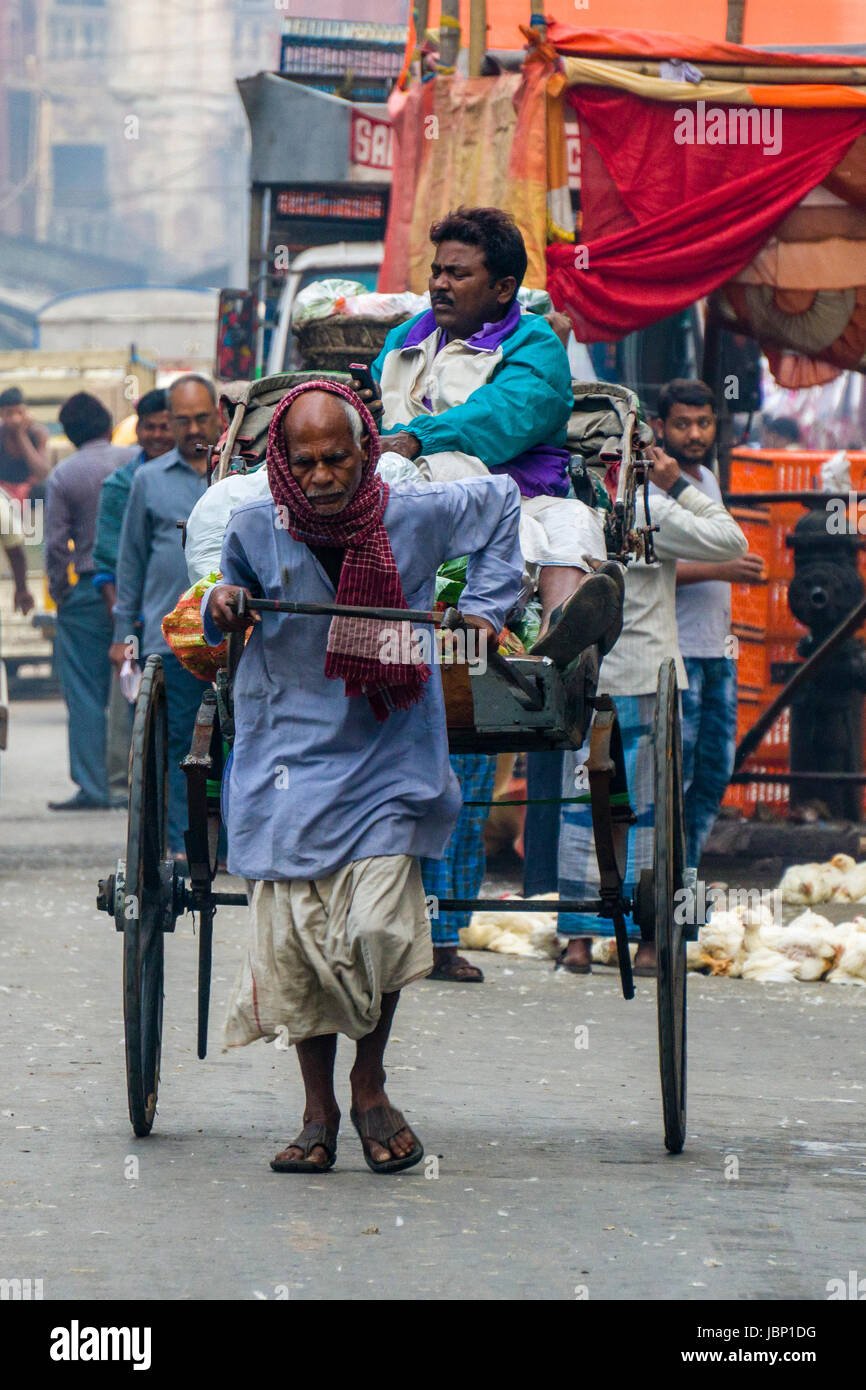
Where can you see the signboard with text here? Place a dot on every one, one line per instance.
(371, 150)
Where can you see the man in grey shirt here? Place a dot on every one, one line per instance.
(686, 425)
(83, 627)
(151, 569)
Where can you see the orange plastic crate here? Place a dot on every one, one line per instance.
(746, 795)
(749, 607)
(750, 472)
(794, 472)
(748, 710)
(736, 796)
(754, 522)
(752, 673)
(783, 649)
(781, 562)
(780, 620)
(775, 746)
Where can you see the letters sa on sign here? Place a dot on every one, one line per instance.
(371, 152)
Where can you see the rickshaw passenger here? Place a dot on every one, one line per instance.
(475, 386)
(339, 777)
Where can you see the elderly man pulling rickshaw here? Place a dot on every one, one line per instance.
(339, 777)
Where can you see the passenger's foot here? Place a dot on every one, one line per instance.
(314, 1148)
(645, 962)
(586, 617)
(576, 956)
(448, 965)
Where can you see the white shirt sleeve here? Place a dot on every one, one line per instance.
(693, 527)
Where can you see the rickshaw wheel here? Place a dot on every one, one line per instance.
(669, 855)
(144, 902)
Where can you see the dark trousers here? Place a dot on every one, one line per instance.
(183, 696)
(81, 645)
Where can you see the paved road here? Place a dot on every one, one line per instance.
(553, 1181)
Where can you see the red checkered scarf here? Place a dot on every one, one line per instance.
(369, 576)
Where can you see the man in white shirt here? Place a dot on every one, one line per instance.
(686, 427)
(694, 527)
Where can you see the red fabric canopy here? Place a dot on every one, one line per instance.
(688, 217)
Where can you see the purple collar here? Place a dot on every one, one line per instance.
(487, 339)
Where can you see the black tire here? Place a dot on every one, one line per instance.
(144, 898)
(205, 952)
(669, 853)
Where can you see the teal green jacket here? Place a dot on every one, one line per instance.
(515, 422)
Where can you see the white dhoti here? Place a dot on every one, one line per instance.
(553, 530)
(322, 952)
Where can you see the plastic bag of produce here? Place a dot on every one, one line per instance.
(384, 306)
(319, 300)
(182, 630)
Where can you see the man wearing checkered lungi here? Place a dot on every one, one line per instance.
(460, 873)
(691, 526)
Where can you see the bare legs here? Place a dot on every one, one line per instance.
(317, 1056)
(556, 583)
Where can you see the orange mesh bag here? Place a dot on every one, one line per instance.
(182, 630)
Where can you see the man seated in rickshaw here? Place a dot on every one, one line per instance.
(473, 386)
(339, 776)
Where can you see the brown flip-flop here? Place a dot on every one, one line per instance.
(457, 971)
(380, 1124)
(313, 1136)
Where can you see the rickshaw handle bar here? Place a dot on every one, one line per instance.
(346, 610)
(452, 619)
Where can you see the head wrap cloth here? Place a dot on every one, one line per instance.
(369, 576)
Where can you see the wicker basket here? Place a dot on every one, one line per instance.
(330, 344)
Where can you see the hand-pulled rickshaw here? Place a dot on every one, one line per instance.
(517, 704)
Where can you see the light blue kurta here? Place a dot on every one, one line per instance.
(314, 781)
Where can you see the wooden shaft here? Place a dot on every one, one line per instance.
(731, 72)
(449, 33)
(420, 13)
(477, 35)
(735, 20)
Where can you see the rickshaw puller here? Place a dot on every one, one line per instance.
(339, 776)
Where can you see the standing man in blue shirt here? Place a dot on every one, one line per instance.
(153, 433)
(83, 626)
(151, 569)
